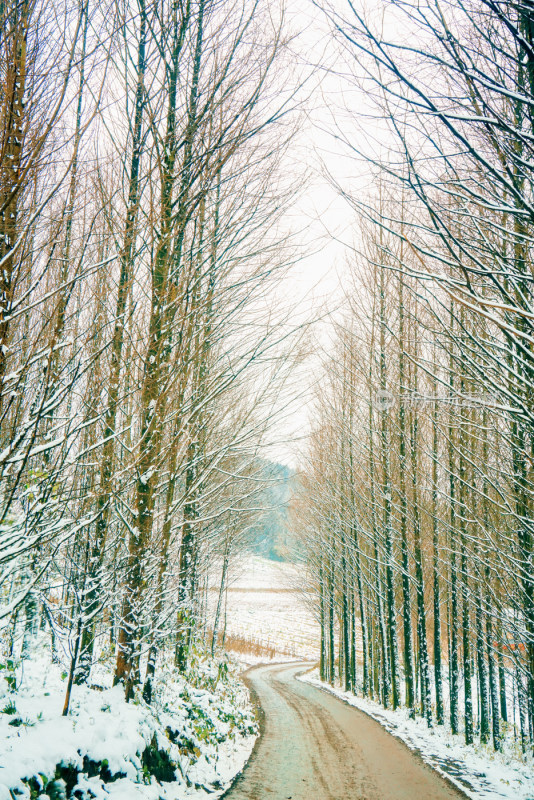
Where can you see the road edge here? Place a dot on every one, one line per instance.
(261, 722)
(416, 752)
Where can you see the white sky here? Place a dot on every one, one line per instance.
(326, 221)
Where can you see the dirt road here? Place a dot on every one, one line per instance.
(315, 747)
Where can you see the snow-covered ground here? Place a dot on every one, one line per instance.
(204, 729)
(265, 605)
(478, 771)
(195, 736)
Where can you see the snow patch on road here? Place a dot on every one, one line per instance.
(480, 773)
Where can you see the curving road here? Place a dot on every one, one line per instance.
(315, 747)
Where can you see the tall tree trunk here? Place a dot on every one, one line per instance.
(331, 614)
(403, 500)
(323, 669)
(462, 525)
(385, 683)
(153, 400)
(438, 679)
(453, 643)
(387, 520)
(426, 701)
(94, 588)
(224, 572)
(13, 119)
(345, 611)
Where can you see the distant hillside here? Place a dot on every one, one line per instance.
(271, 537)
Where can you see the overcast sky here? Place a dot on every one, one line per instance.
(324, 219)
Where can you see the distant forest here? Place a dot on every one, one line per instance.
(271, 535)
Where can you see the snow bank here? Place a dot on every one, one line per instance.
(197, 734)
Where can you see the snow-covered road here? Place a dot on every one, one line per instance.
(315, 747)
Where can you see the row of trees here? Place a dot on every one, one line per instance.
(140, 200)
(417, 502)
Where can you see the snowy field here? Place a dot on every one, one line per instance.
(265, 606)
(188, 745)
(478, 771)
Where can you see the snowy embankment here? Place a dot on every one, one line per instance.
(478, 771)
(189, 743)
